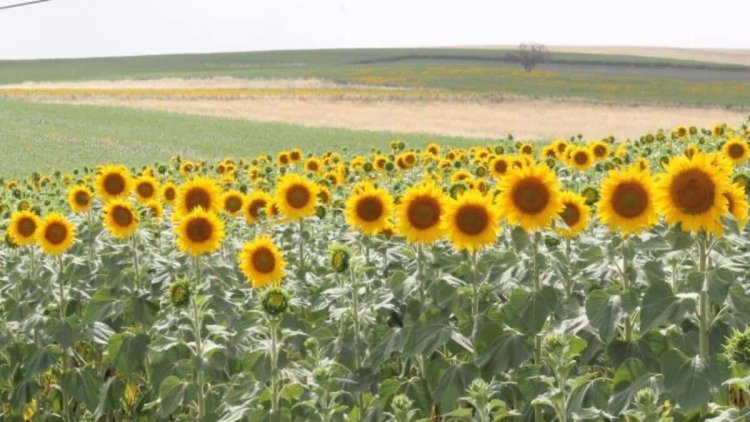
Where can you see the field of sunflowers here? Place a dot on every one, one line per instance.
(571, 280)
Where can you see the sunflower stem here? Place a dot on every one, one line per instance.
(626, 288)
(301, 250)
(92, 236)
(420, 273)
(538, 413)
(366, 241)
(62, 305)
(704, 307)
(197, 325)
(136, 261)
(355, 315)
(474, 300)
(273, 325)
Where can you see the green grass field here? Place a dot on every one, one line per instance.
(48, 137)
(477, 73)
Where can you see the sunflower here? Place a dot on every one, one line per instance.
(526, 149)
(296, 196)
(470, 221)
(295, 155)
(530, 197)
(233, 202)
(169, 193)
(736, 150)
(580, 158)
(368, 209)
(433, 149)
(55, 234)
(559, 145)
(627, 201)
(154, 209)
(283, 159)
(146, 188)
(419, 213)
(80, 198)
(254, 204)
(499, 166)
(737, 203)
(198, 192)
(313, 165)
(600, 150)
(120, 218)
(23, 228)
(113, 182)
(262, 262)
(691, 192)
(199, 232)
(575, 214)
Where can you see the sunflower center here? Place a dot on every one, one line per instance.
(312, 166)
(410, 159)
(284, 159)
(501, 166)
(197, 197)
(531, 196)
(199, 230)
(571, 214)
(736, 151)
(233, 204)
(526, 149)
(693, 191)
(369, 208)
(630, 199)
(600, 151)
(145, 190)
(81, 198)
(472, 219)
(255, 207)
(26, 226)
(56, 233)
(114, 184)
(298, 196)
(263, 260)
(294, 156)
(122, 216)
(581, 158)
(170, 194)
(424, 212)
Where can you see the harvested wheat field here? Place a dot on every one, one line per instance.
(526, 118)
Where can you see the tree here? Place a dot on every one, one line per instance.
(530, 55)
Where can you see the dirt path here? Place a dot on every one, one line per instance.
(525, 118)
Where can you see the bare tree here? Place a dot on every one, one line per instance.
(530, 55)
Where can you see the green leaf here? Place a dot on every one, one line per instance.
(40, 361)
(83, 384)
(660, 304)
(509, 351)
(528, 312)
(425, 339)
(693, 381)
(452, 385)
(128, 351)
(171, 395)
(604, 312)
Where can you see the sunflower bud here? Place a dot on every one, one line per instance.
(591, 194)
(480, 171)
(645, 401)
(275, 301)
(457, 189)
(179, 293)
(402, 408)
(339, 258)
(737, 348)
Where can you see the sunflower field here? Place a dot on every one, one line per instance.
(570, 280)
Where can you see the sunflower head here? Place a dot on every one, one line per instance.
(575, 214)
(113, 181)
(199, 232)
(580, 158)
(627, 203)
(737, 204)
(369, 209)
(736, 150)
(199, 192)
(691, 192)
(419, 213)
(470, 222)
(275, 301)
(179, 293)
(56, 234)
(339, 257)
(296, 196)
(146, 188)
(530, 197)
(80, 198)
(233, 202)
(262, 262)
(23, 228)
(120, 218)
(169, 193)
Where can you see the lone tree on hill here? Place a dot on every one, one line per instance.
(530, 55)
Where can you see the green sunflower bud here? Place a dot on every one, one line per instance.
(591, 194)
(339, 257)
(737, 348)
(179, 293)
(275, 301)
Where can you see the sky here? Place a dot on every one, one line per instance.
(89, 28)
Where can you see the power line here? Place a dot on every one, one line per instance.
(28, 3)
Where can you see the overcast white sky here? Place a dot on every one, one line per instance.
(83, 28)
